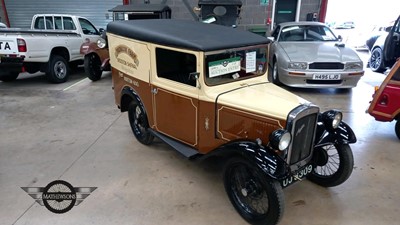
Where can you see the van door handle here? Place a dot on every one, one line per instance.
(154, 91)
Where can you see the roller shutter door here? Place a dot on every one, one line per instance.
(20, 12)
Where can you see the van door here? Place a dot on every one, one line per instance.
(175, 96)
(391, 49)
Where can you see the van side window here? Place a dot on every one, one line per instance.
(176, 66)
(68, 23)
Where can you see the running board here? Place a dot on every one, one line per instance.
(185, 150)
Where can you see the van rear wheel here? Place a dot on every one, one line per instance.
(139, 123)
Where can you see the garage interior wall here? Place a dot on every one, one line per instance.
(20, 12)
(252, 12)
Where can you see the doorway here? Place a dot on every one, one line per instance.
(285, 11)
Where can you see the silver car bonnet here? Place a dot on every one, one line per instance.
(318, 52)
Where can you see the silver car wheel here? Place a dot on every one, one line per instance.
(275, 75)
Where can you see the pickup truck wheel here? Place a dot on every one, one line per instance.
(139, 123)
(93, 67)
(9, 77)
(397, 129)
(376, 60)
(58, 70)
(334, 165)
(256, 197)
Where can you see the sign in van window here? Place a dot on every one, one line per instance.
(225, 66)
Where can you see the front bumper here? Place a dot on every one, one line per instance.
(293, 78)
(10, 64)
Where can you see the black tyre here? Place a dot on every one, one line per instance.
(256, 197)
(58, 70)
(376, 60)
(9, 77)
(93, 67)
(397, 129)
(334, 165)
(275, 74)
(139, 123)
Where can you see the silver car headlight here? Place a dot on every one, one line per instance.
(280, 139)
(101, 43)
(298, 65)
(332, 119)
(353, 66)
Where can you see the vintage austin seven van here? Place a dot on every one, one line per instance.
(203, 89)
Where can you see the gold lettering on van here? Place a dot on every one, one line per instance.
(125, 49)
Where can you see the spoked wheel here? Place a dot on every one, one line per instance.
(257, 198)
(275, 75)
(376, 60)
(139, 124)
(397, 129)
(92, 66)
(334, 165)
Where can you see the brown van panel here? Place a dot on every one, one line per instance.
(121, 80)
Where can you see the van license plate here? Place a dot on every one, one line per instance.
(299, 175)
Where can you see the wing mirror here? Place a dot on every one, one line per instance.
(340, 38)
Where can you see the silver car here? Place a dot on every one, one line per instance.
(308, 54)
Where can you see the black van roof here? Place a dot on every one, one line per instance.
(185, 34)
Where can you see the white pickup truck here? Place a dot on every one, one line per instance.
(52, 46)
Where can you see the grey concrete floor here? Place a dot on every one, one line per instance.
(74, 132)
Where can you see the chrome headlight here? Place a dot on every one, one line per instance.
(280, 139)
(298, 65)
(353, 66)
(101, 43)
(332, 119)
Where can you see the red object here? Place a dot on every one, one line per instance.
(21, 45)
(5, 13)
(385, 105)
(322, 11)
(125, 2)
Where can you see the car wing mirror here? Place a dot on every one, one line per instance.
(194, 77)
(271, 39)
(340, 38)
(101, 30)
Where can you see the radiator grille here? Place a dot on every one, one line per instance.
(303, 134)
(326, 66)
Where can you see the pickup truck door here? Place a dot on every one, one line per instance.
(391, 48)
